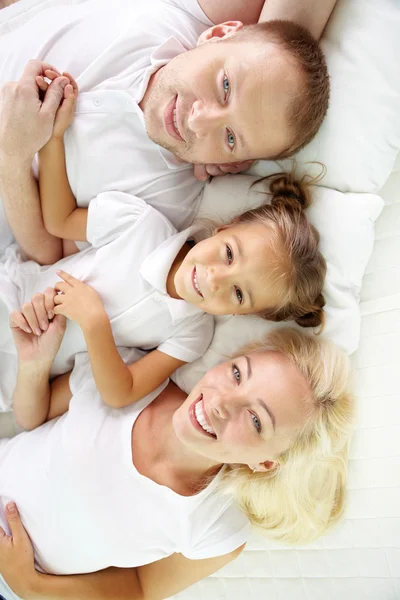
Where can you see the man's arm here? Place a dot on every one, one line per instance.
(312, 14)
(25, 126)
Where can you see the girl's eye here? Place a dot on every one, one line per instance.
(226, 86)
(239, 295)
(236, 374)
(229, 254)
(230, 139)
(256, 421)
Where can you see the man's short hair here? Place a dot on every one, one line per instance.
(309, 107)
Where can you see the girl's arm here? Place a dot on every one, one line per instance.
(156, 581)
(61, 216)
(119, 384)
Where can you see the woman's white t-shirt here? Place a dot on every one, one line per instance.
(86, 507)
(133, 248)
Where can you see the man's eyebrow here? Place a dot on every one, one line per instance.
(271, 414)
(241, 255)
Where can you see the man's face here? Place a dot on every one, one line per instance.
(223, 102)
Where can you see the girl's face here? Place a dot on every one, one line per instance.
(232, 272)
(245, 411)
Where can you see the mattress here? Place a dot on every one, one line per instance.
(360, 559)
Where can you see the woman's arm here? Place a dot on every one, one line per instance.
(61, 216)
(119, 384)
(156, 581)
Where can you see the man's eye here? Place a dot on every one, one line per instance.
(256, 421)
(239, 295)
(230, 139)
(236, 374)
(226, 85)
(229, 254)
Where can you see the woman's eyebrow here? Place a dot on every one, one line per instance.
(259, 400)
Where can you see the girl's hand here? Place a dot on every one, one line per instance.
(32, 347)
(65, 112)
(78, 301)
(16, 555)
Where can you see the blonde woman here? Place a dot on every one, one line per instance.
(167, 488)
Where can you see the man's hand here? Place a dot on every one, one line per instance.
(204, 172)
(36, 339)
(26, 122)
(16, 555)
(78, 301)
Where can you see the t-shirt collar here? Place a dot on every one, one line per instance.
(156, 266)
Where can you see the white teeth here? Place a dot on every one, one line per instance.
(201, 418)
(196, 285)
(175, 121)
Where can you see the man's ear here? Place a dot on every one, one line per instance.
(267, 465)
(220, 31)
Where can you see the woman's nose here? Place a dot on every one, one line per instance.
(204, 118)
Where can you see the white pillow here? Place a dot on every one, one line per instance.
(346, 226)
(359, 140)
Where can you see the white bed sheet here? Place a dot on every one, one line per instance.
(360, 559)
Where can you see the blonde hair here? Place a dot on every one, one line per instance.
(301, 266)
(305, 495)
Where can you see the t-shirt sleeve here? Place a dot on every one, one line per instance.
(224, 533)
(110, 214)
(190, 342)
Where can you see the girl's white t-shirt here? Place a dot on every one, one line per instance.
(132, 249)
(86, 507)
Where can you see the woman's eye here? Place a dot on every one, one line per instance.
(229, 254)
(230, 139)
(236, 374)
(256, 421)
(239, 295)
(226, 86)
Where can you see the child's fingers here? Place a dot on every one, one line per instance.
(29, 313)
(40, 310)
(62, 287)
(49, 294)
(18, 321)
(72, 81)
(68, 278)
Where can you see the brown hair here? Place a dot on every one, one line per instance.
(309, 107)
(301, 266)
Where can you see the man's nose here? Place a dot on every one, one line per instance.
(204, 118)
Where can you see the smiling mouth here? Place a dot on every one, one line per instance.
(195, 283)
(171, 120)
(199, 419)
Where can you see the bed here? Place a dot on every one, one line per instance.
(358, 143)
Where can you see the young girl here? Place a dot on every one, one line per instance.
(152, 288)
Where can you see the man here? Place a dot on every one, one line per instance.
(238, 95)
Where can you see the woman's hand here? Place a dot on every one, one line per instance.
(16, 555)
(36, 338)
(78, 301)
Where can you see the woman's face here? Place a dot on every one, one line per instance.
(246, 411)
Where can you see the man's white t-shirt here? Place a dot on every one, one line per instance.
(112, 49)
(86, 507)
(133, 247)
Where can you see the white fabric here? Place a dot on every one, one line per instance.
(360, 138)
(133, 249)
(346, 226)
(111, 48)
(80, 466)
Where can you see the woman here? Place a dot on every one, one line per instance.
(152, 487)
